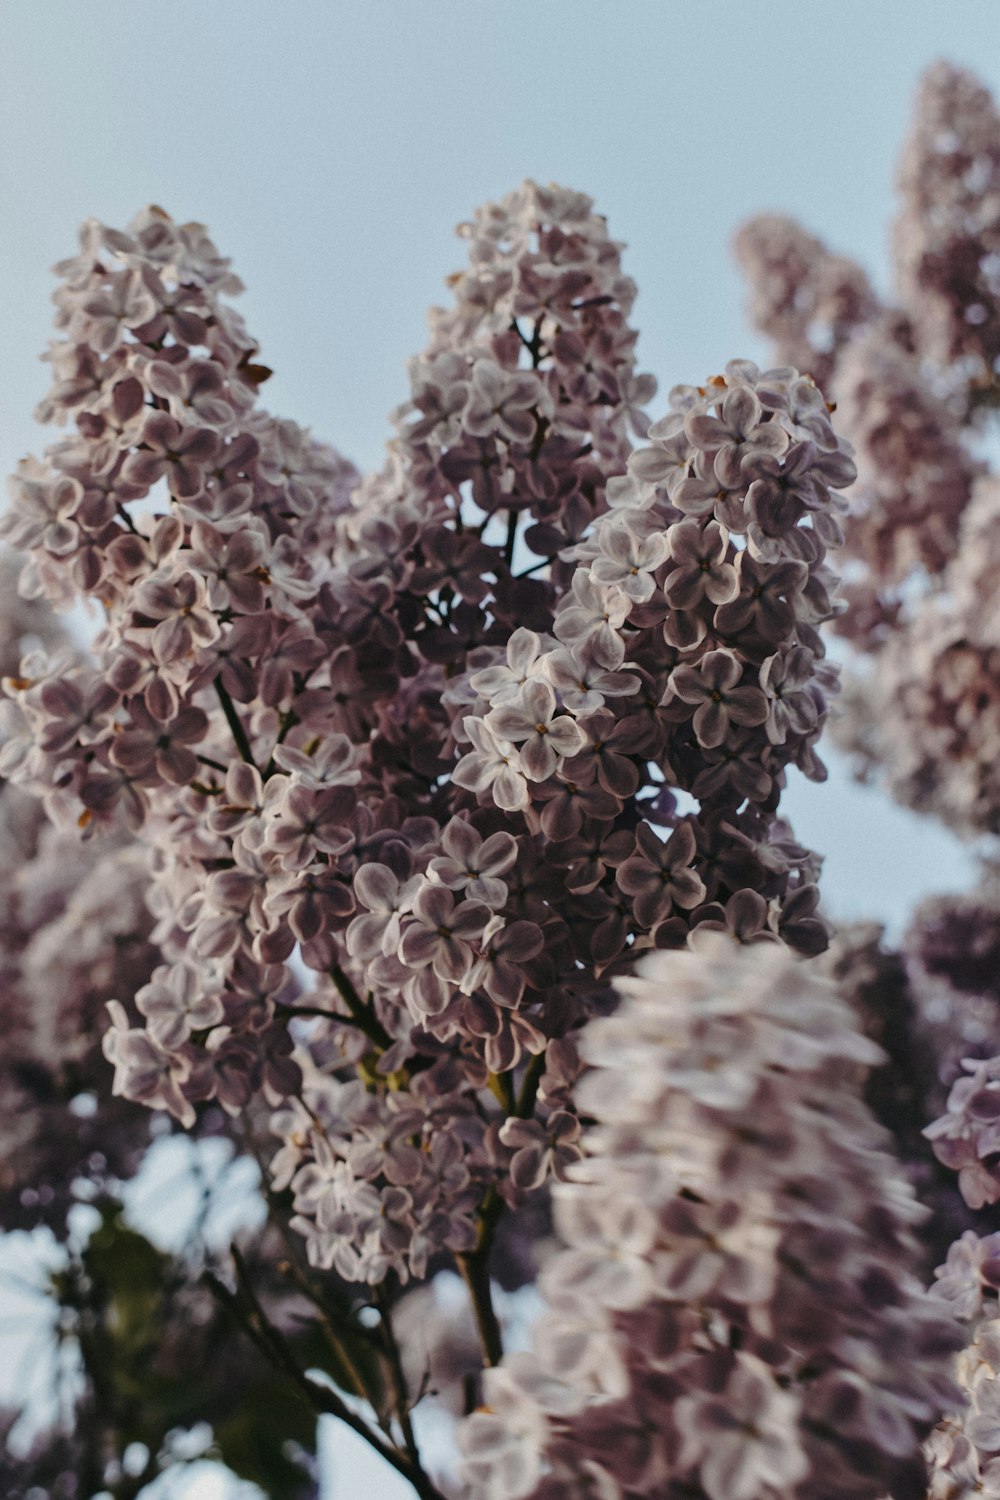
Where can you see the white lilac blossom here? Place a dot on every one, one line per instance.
(733, 1311)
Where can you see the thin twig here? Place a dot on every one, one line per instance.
(398, 1378)
(475, 1266)
(475, 1271)
(340, 1345)
(246, 1310)
(363, 1015)
(233, 720)
(508, 551)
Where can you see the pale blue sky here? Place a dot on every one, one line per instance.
(331, 148)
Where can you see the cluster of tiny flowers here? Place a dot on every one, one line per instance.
(964, 1449)
(947, 238)
(931, 1005)
(422, 822)
(963, 1452)
(915, 471)
(966, 1138)
(174, 505)
(388, 1185)
(928, 1005)
(732, 1315)
(955, 939)
(248, 711)
(422, 732)
(74, 931)
(911, 384)
(927, 713)
(807, 300)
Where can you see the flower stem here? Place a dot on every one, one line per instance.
(244, 1306)
(233, 720)
(475, 1271)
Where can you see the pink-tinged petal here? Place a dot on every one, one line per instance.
(376, 887)
(651, 551)
(510, 790)
(522, 649)
(473, 773)
(706, 432)
(741, 410)
(498, 853)
(565, 736)
(562, 818)
(747, 705)
(651, 465)
(711, 724)
(683, 590)
(528, 1169)
(434, 906)
(538, 759)
(171, 640)
(469, 919)
(143, 468)
(199, 445)
(771, 438)
(722, 585)
(451, 960)
(161, 431)
(186, 479)
(686, 889)
(688, 684)
(520, 941)
(720, 670)
(190, 725)
(510, 722)
(636, 876)
(177, 765)
(681, 846)
(517, 426)
(244, 787)
(695, 497)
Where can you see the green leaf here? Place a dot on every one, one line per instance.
(255, 1441)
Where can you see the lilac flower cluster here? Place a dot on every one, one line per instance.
(950, 979)
(947, 238)
(963, 1450)
(939, 747)
(379, 802)
(966, 1137)
(913, 385)
(351, 733)
(928, 1005)
(915, 467)
(807, 300)
(74, 931)
(915, 470)
(732, 1314)
(164, 505)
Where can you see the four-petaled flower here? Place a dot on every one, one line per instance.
(714, 685)
(534, 722)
